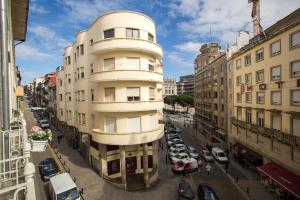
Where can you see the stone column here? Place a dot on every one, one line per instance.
(102, 160)
(123, 165)
(145, 165)
(29, 171)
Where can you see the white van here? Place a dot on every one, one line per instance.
(219, 155)
(62, 187)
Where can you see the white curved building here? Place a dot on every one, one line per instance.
(109, 95)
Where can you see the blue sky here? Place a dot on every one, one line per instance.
(182, 26)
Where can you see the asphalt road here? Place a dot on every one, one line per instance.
(217, 179)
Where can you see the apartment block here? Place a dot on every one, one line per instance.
(264, 96)
(109, 97)
(210, 93)
(169, 87)
(186, 85)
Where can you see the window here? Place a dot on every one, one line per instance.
(83, 118)
(151, 66)
(249, 116)
(248, 79)
(152, 122)
(109, 94)
(92, 68)
(110, 125)
(77, 48)
(132, 33)
(92, 95)
(260, 76)
(151, 93)
(248, 60)
(260, 119)
(70, 98)
(60, 97)
(216, 106)
(134, 124)
(81, 72)
(238, 97)
(150, 37)
(238, 80)
(260, 97)
(295, 97)
(276, 73)
(82, 95)
(109, 64)
(69, 60)
(248, 97)
(113, 167)
(259, 55)
(295, 69)
(276, 97)
(93, 120)
(133, 94)
(296, 126)
(222, 81)
(109, 33)
(61, 112)
(133, 63)
(60, 82)
(222, 107)
(275, 48)
(295, 40)
(276, 121)
(91, 41)
(238, 64)
(81, 49)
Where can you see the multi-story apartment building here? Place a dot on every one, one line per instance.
(109, 97)
(186, 84)
(264, 96)
(169, 87)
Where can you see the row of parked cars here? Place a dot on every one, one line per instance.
(40, 117)
(204, 192)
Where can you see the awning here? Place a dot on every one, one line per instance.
(282, 176)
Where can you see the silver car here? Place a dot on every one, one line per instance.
(207, 155)
(192, 151)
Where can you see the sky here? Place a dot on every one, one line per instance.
(182, 27)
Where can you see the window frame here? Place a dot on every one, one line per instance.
(276, 53)
(271, 99)
(246, 97)
(290, 41)
(271, 75)
(256, 74)
(291, 97)
(150, 36)
(264, 98)
(240, 63)
(132, 31)
(134, 98)
(106, 31)
(248, 55)
(256, 55)
(291, 71)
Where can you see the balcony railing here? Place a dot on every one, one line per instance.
(274, 134)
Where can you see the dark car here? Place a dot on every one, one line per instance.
(185, 191)
(48, 168)
(205, 192)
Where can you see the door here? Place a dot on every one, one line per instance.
(130, 165)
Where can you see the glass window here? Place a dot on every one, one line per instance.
(260, 119)
(134, 124)
(248, 78)
(110, 125)
(248, 97)
(151, 93)
(295, 39)
(276, 73)
(69, 60)
(249, 116)
(113, 167)
(83, 118)
(152, 122)
(276, 97)
(276, 121)
(260, 76)
(133, 94)
(295, 95)
(92, 95)
(260, 97)
(109, 64)
(259, 55)
(81, 49)
(109, 94)
(238, 64)
(132, 33)
(109, 33)
(238, 97)
(275, 48)
(150, 37)
(239, 113)
(151, 65)
(295, 68)
(248, 59)
(133, 63)
(238, 80)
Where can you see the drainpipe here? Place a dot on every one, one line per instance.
(4, 73)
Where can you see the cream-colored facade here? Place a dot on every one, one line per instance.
(264, 94)
(169, 87)
(109, 95)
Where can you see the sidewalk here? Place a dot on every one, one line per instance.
(246, 178)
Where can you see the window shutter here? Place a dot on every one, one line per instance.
(133, 63)
(109, 64)
(296, 39)
(276, 47)
(296, 68)
(135, 33)
(128, 32)
(134, 124)
(110, 125)
(151, 93)
(133, 92)
(109, 94)
(296, 127)
(152, 122)
(276, 98)
(276, 72)
(276, 123)
(296, 96)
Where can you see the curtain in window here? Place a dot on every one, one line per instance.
(134, 124)
(276, 123)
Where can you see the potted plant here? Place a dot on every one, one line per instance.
(39, 140)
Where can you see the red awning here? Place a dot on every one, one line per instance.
(283, 177)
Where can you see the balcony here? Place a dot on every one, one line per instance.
(127, 106)
(274, 134)
(126, 44)
(127, 75)
(127, 138)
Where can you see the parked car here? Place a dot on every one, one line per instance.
(219, 155)
(44, 123)
(174, 153)
(175, 141)
(177, 130)
(192, 151)
(186, 166)
(206, 155)
(185, 191)
(205, 192)
(48, 168)
(177, 146)
(178, 157)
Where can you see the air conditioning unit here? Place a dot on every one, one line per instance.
(262, 86)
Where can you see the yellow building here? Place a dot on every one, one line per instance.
(109, 95)
(264, 96)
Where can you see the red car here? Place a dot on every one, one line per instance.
(186, 165)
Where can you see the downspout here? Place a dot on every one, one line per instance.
(4, 73)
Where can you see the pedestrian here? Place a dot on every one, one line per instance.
(208, 168)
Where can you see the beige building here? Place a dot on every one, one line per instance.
(186, 84)
(109, 95)
(169, 87)
(264, 96)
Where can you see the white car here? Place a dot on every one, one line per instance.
(178, 157)
(192, 151)
(177, 147)
(177, 130)
(44, 123)
(207, 155)
(174, 153)
(219, 155)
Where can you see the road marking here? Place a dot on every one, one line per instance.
(59, 164)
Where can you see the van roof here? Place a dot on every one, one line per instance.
(62, 182)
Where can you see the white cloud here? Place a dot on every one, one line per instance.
(179, 60)
(37, 9)
(190, 47)
(27, 52)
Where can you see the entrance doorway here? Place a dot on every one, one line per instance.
(130, 165)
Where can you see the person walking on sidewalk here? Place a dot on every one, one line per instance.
(208, 168)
